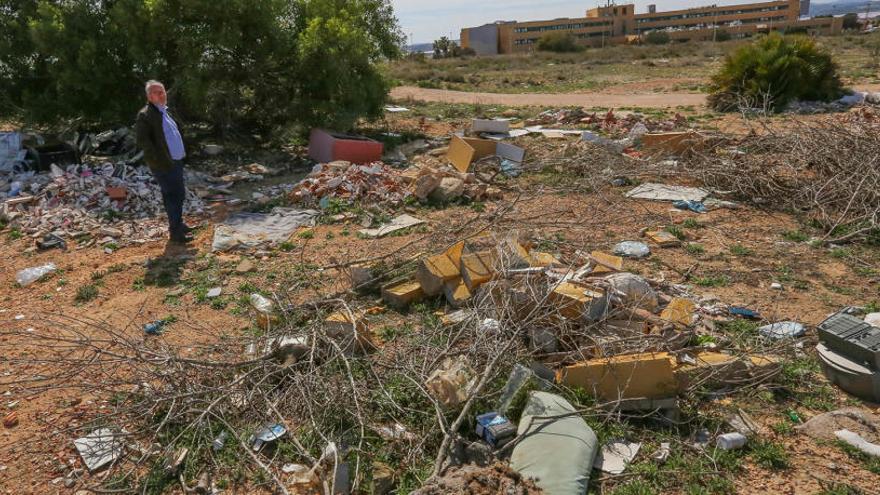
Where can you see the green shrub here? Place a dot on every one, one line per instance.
(775, 70)
(657, 38)
(233, 64)
(558, 42)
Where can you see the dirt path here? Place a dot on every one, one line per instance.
(645, 100)
(652, 100)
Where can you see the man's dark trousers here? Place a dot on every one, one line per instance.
(173, 194)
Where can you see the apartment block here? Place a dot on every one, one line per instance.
(615, 24)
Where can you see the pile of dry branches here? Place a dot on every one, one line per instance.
(827, 169)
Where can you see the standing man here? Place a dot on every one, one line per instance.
(160, 139)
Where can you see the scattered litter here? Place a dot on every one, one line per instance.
(873, 319)
(99, 448)
(30, 275)
(694, 206)
(219, 442)
(662, 453)
(269, 433)
(249, 230)
(663, 192)
(155, 327)
(731, 441)
(395, 109)
(776, 286)
(399, 223)
(632, 249)
(616, 456)
(556, 448)
(494, 429)
(782, 330)
(744, 312)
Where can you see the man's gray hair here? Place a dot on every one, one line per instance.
(151, 83)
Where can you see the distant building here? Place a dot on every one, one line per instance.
(615, 24)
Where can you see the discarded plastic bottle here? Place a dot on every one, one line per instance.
(30, 275)
(264, 309)
(220, 441)
(731, 441)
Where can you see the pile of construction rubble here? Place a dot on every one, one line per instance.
(377, 183)
(115, 201)
(614, 124)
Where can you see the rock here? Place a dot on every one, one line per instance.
(212, 149)
(110, 232)
(631, 290)
(425, 185)
(245, 266)
(449, 188)
(776, 286)
(383, 479)
(215, 292)
(873, 98)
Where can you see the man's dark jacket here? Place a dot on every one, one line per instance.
(151, 139)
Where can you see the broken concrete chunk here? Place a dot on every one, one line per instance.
(663, 238)
(424, 185)
(434, 271)
(351, 331)
(450, 188)
(632, 291)
(402, 294)
(680, 311)
(451, 383)
(477, 269)
(577, 302)
(606, 263)
(616, 456)
(456, 292)
(513, 254)
(645, 375)
(541, 259)
(493, 126)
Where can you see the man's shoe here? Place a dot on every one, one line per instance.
(181, 238)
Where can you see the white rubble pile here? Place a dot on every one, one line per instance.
(75, 201)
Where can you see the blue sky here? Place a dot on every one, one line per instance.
(427, 20)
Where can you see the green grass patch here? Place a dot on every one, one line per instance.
(740, 250)
(695, 249)
(86, 293)
(795, 236)
(715, 280)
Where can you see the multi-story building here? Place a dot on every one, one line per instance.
(613, 24)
